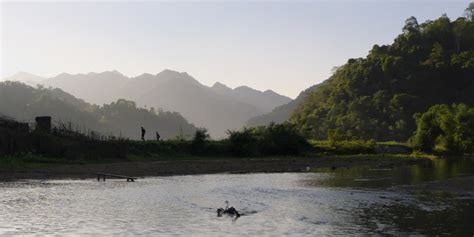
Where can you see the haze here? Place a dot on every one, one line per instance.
(283, 46)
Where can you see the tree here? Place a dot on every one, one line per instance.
(411, 25)
(469, 12)
(445, 128)
(376, 97)
(198, 144)
(437, 57)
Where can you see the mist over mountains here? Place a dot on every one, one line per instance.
(217, 108)
(121, 118)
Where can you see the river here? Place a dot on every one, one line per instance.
(358, 200)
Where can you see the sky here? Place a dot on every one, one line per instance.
(285, 46)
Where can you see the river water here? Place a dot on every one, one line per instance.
(358, 200)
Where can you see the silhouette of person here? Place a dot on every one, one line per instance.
(157, 136)
(143, 134)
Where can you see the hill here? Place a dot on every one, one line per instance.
(281, 113)
(119, 118)
(217, 108)
(26, 78)
(265, 101)
(377, 96)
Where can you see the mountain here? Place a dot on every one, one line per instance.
(217, 108)
(264, 101)
(97, 88)
(120, 118)
(377, 97)
(27, 78)
(281, 113)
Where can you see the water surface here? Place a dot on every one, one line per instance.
(342, 201)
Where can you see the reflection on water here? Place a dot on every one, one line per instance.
(387, 176)
(272, 204)
(449, 216)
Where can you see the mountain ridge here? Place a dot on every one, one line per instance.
(216, 107)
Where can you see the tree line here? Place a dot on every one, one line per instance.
(377, 97)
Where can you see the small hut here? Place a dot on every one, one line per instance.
(43, 123)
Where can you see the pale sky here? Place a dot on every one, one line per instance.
(285, 46)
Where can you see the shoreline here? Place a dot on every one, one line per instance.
(142, 169)
(462, 186)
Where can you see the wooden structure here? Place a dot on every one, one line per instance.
(43, 123)
(103, 175)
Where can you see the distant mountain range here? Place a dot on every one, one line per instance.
(217, 108)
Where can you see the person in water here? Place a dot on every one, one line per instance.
(143, 134)
(231, 211)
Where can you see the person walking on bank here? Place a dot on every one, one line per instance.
(143, 134)
(157, 136)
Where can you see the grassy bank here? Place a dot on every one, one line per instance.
(23, 148)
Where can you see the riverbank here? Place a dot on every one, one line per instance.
(203, 165)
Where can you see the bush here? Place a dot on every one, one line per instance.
(345, 146)
(275, 139)
(198, 144)
(447, 129)
(243, 143)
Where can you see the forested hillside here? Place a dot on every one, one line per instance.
(120, 118)
(281, 113)
(376, 97)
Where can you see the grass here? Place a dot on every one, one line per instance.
(394, 143)
(174, 150)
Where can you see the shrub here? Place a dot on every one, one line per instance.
(243, 143)
(448, 129)
(275, 139)
(198, 144)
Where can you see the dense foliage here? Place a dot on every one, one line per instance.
(445, 128)
(121, 118)
(199, 142)
(376, 97)
(274, 139)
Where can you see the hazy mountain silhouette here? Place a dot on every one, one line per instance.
(281, 113)
(97, 88)
(217, 108)
(119, 118)
(26, 78)
(265, 101)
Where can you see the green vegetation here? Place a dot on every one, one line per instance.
(274, 139)
(447, 129)
(16, 140)
(344, 147)
(376, 97)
